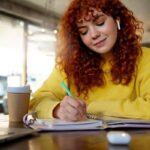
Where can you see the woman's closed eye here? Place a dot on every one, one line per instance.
(83, 31)
(100, 23)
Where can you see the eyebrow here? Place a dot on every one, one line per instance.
(80, 27)
(98, 16)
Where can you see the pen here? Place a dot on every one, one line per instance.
(89, 116)
(64, 86)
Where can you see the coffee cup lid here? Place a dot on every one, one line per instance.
(20, 89)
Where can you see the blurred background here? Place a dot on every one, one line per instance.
(28, 31)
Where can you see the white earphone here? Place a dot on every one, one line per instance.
(118, 24)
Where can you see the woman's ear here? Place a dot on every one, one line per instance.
(118, 24)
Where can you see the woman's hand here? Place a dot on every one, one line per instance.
(70, 109)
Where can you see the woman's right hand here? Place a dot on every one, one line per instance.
(70, 109)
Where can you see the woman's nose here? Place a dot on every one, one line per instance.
(95, 33)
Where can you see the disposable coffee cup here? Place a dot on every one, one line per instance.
(18, 102)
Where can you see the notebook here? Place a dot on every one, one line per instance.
(59, 125)
(99, 123)
(8, 134)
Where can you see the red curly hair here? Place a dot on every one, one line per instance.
(82, 66)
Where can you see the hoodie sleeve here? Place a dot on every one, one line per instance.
(48, 95)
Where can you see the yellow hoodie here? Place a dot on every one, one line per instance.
(132, 101)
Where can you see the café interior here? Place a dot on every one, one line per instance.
(28, 30)
(28, 37)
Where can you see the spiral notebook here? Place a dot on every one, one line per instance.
(99, 123)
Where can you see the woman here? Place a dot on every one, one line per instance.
(100, 59)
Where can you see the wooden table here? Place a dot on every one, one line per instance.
(85, 140)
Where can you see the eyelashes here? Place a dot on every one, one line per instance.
(100, 24)
(83, 33)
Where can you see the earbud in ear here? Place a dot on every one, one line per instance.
(118, 24)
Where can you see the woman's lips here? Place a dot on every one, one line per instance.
(100, 43)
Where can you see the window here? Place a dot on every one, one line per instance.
(11, 47)
(41, 55)
(40, 44)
